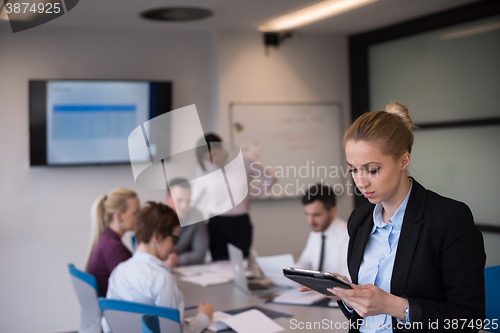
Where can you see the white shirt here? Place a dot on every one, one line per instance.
(145, 279)
(258, 182)
(335, 256)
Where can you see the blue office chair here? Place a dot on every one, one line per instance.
(134, 242)
(492, 291)
(150, 324)
(85, 286)
(125, 317)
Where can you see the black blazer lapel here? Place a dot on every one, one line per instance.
(408, 238)
(358, 248)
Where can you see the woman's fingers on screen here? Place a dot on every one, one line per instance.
(345, 278)
(303, 289)
(342, 277)
(347, 293)
(338, 292)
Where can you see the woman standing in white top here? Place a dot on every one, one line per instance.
(144, 278)
(234, 225)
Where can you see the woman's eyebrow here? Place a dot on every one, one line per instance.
(364, 165)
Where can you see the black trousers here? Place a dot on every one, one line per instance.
(236, 230)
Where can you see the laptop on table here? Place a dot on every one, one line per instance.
(252, 286)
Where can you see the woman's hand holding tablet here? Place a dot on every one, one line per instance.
(318, 281)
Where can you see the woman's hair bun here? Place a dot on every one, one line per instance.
(400, 111)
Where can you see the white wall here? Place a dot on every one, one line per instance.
(306, 68)
(44, 212)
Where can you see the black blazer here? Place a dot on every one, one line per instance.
(439, 264)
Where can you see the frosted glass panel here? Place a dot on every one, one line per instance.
(492, 248)
(447, 74)
(463, 164)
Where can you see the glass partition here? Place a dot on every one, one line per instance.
(445, 75)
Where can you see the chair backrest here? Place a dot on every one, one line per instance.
(85, 286)
(492, 291)
(125, 317)
(134, 242)
(150, 324)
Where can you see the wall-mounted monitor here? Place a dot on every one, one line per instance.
(87, 122)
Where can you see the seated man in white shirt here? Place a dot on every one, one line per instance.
(144, 278)
(193, 238)
(326, 248)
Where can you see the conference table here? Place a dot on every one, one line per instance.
(228, 297)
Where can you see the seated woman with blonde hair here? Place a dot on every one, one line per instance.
(112, 215)
(145, 278)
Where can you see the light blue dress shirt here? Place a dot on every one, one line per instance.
(145, 279)
(378, 260)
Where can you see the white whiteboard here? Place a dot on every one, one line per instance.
(302, 142)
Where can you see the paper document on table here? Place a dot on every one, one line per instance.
(299, 298)
(217, 325)
(223, 268)
(191, 270)
(272, 268)
(246, 322)
(207, 279)
(205, 275)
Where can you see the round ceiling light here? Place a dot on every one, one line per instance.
(176, 14)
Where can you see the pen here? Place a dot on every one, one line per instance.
(191, 307)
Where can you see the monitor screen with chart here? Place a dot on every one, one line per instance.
(82, 122)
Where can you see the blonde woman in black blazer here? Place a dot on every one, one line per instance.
(435, 279)
(438, 267)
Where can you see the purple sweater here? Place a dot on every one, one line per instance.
(107, 254)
